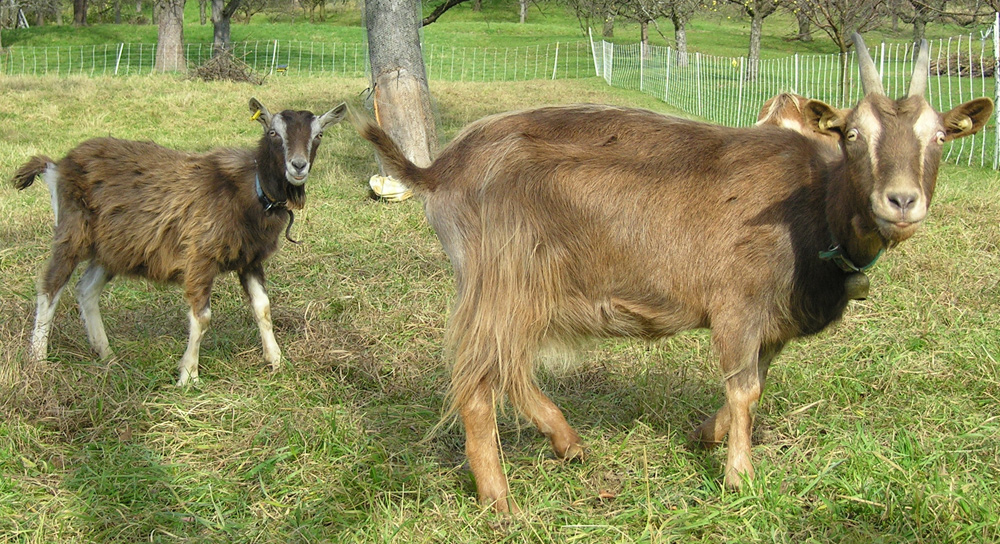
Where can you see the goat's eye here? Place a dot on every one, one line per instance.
(940, 136)
(272, 133)
(319, 136)
(852, 134)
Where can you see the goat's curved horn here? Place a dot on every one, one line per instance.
(918, 83)
(871, 81)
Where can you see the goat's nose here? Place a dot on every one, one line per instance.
(300, 164)
(902, 200)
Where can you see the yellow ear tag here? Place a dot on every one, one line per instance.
(255, 116)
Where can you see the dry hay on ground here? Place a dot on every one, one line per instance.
(957, 65)
(226, 67)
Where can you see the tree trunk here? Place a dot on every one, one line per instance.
(919, 29)
(138, 6)
(524, 10)
(477, 5)
(118, 12)
(170, 36)
(202, 12)
(644, 32)
(680, 37)
(402, 99)
(80, 12)
(39, 18)
(805, 29)
(753, 58)
(221, 37)
(609, 26)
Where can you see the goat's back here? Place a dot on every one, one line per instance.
(143, 205)
(652, 224)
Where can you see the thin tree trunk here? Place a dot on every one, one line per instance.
(170, 36)
(80, 12)
(644, 32)
(805, 26)
(220, 27)
(609, 26)
(753, 58)
(680, 37)
(524, 10)
(203, 11)
(401, 97)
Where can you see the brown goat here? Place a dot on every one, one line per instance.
(573, 221)
(139, 209)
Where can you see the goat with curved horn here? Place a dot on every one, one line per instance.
(918, 82)
(871, 80)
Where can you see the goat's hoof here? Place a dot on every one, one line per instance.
(505, 505)
(575, 452)
(186, 381)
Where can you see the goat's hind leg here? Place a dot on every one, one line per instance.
(552, 423)
(88, 293)
(57, 273)
(198, 296)
(253, 284)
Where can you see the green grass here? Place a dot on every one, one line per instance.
(883, 429)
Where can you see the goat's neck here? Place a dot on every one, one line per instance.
(270, 170)
(849, 216)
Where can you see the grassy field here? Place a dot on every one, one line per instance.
(883, 429)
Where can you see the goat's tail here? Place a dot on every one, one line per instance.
(393, 159)
(27, 173)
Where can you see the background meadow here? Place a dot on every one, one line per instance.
(882, 429)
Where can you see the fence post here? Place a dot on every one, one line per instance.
(555, 65)
(796, 89)
(642, 62)
(996, 82)
(739, 100)
(118, 61)
(697, 78)
(666, 79)
(274, 58)
(593, 53)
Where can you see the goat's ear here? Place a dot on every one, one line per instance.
(260, 113)
(824, 118)
(967, 118)
(333, 116)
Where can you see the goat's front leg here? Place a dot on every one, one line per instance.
(745, 365)
(88, 291)
(711, 432)
(253, 284)
(198, 295)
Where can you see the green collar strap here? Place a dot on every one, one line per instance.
(839, 257)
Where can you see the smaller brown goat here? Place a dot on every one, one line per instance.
(140, 209)
(788, 110)
(572, 221)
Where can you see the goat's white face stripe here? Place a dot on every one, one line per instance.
(295, 175)
(926, 129)
(871, 129)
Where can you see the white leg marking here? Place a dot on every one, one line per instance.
(189, 362)
(44, 312)
(261, 306)
(51, 177)
(88, 291)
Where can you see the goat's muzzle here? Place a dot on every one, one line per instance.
(296, 171)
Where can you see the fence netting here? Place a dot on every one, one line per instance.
(725, 90)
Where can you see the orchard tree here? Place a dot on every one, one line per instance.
(402, 98)
(170, 36)
(757, 10)
(80, 12)
(222, 15)
(839, 19)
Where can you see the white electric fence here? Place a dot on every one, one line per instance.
(724, 90)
